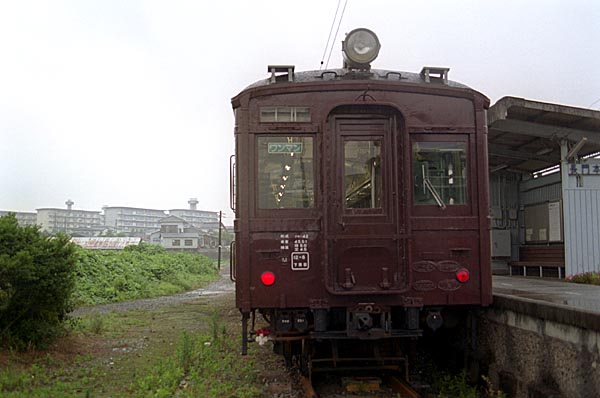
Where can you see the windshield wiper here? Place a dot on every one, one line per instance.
(432, 190)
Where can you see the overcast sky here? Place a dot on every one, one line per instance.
(127, 103)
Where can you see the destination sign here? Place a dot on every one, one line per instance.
(280, 147)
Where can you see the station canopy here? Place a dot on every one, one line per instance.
(524, 136)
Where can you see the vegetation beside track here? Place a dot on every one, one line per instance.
(137, 272)
(42, 278)
(185, 350)
(36, 284)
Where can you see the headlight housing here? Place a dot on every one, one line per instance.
(360, 48)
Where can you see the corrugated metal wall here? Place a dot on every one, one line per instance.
(504, 202)
(581, 213)
(546, 193)
(536, 191)
(581, 208)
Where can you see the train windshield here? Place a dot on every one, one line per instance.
(362, 174)
(440, 173)
(285, 172)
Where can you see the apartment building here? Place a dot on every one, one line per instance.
(134, 221)
(70, 221)
(130, 221)
(198, 218)
(24, 218)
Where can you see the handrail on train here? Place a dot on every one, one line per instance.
(232, 269)
(232, 182)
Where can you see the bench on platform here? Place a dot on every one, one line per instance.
(540, 257)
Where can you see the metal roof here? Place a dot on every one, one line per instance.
(110, 243)
(525, 135)
(343, 74)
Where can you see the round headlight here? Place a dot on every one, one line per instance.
(360, 47)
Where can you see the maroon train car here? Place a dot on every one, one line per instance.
(361, 201)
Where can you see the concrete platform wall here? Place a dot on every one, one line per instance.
(534, 350)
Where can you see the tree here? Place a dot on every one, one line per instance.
(37, 278)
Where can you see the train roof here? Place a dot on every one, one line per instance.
(383, 75)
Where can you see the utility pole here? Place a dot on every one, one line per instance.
(219, 249)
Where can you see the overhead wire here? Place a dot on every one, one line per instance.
(329, 39)
(336, 33)
(330, 30)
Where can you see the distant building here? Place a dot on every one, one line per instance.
(198, 218)
(24, 218)
(118, 220)
(70, 221)
(134, 221)
(177, 234)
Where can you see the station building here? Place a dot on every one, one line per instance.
(544, 188)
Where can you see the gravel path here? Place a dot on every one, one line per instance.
(220, 286)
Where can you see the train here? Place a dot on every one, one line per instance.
(361, 206)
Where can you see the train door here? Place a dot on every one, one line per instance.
(366, 239)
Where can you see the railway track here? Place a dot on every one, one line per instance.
(357, 385)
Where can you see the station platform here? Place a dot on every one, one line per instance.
(570, 303)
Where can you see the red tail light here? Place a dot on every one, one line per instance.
(267, 278)
(462, 275)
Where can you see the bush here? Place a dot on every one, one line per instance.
(36, 282)
(589, 278)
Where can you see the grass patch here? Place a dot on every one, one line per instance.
(184, 350)
(47, 379)
(201, 367)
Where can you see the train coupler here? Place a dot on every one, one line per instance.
(368, 321)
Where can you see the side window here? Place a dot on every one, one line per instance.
(362, 174)
(439, 173)
(285, 172)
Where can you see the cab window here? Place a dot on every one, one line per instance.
(285, 172)
(439, 173)
(362, 174)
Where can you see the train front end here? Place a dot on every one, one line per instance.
(361, 201)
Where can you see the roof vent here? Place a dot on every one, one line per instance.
(435, 75)
(281, 73)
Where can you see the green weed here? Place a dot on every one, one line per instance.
(200, 367)
(185, 352)
(490, 391)
(453, 386)
(97, 324)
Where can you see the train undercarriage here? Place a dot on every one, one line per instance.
(365, 336)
